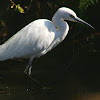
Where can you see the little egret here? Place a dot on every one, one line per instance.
(39, 37)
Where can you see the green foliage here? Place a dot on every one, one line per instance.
(85, 3)
(17, 7)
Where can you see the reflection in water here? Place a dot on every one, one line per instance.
(95, 96)
(81, 81)
(14, 84)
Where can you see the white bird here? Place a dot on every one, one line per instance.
(39, 37)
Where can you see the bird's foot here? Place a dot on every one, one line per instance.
(28, 70)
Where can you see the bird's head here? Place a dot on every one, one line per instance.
(68, 14)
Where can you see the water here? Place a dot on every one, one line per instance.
(14, 84)
(81, 80)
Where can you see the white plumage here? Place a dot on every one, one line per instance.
(38, 37)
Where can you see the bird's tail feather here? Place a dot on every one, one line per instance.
(3, 54)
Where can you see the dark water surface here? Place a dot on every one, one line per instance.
(81, 80)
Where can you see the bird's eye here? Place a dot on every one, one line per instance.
(72, 16)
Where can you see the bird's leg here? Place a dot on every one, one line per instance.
(28, 69)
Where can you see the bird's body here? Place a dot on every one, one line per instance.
(27, 43)
(38, 37)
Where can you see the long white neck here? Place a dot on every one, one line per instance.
(61, 25)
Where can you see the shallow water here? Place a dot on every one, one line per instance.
(81, 80)
(14, 84)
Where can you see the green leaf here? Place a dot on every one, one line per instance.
(92, 1)
(19, 8)
(85, 3)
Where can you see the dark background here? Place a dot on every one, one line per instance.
(71, 71)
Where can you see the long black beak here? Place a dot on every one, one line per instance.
(82, 21)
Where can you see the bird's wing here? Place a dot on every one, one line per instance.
(31, 40)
